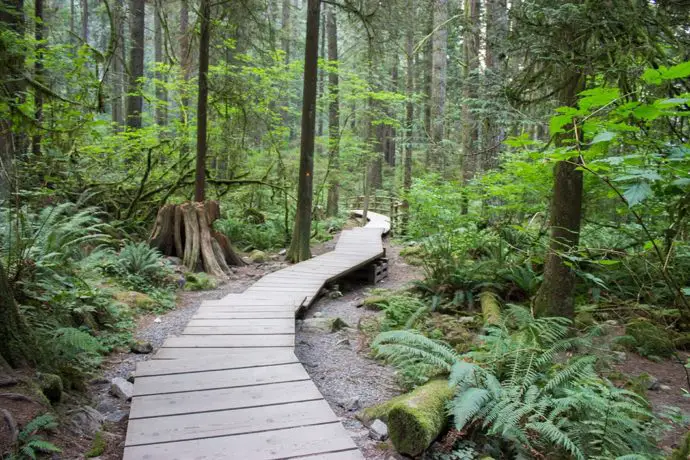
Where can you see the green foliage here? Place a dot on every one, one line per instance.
(400, 309)
(30, 444)
(98, 445)
(647, 339)
(199, 282)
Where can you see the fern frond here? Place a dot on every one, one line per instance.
(557, 437)
(467, 404)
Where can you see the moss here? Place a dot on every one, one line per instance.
(257, 256)
(199, 282)
(137, 300)
(376, 302)
(416, 421)
(413, 255)
(491, 308)
(98, 445)
(683, 452)
(650, 339)
(584, 319)
(452, 331)
(51, 386)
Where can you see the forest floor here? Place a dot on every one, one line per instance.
(339, 364)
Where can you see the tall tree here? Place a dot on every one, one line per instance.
(161, 93)
(301, 235)
(38, 75)
(85, 20)
(409, 118)
(135, 101)
(286, 29)
(470, 132)
(322, 54)
(12, 85)
(333, 115)
(438, 81)
(118, 65)
(202, 103)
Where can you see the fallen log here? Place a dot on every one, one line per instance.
(414, 419)
(491, 308)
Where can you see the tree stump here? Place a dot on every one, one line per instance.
(186, 231)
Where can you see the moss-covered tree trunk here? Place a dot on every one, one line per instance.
(16, 341)
(333, 117)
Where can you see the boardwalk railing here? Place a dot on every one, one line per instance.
(380, 204)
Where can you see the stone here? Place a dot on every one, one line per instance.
(84, 421)
(350, 404)
(130, 377)
(174, 260)
(257, 256)
(141, 347)
(664, 387)
(51, 386)
(135, 299)
(652, 383)
(378, 430)
(323, 324)
(282, 252)
(620, 356)
(318, 314)
(157, 320)
(116, 416)
(122, 388)
(466, 319)
(611, 322)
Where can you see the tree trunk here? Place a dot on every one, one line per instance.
(299, 246)
(333, 117)
(438, 82)
(470, 132)
(186, 231)
(117, 71)
(556, 293)
(494, 60)
(135, 102)
(15, 336)
(161, 93)
(85, 21)
(427, 63)
(38, 76)
(201, 116)
(322, 54)
(409, 121)
(286, 30)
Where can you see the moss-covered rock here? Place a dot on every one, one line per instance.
(199, 282)
(375, 302)
(584, 319)
(452, 330)
(649, 338)
(257, 256)
(98, 445)
(413, 255)
(51, 386)
(135, 300)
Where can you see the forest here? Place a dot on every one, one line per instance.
(533, 157)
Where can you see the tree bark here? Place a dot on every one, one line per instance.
(470, 132)
(322, 54)
(286, 30)
(38, 76)
(117, 71)
(494, 60)
(161, 93)
(135, 101)
(202, 106)
(85, 21)
(438, 82)
(556, 293)
(409, 121)
(427, 63)
(333, 116)
(299, 246)
(15, 336)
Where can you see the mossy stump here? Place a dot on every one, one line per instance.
(414, 419)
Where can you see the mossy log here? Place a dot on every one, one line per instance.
(414, 419)
(491, 307)
(186, 231)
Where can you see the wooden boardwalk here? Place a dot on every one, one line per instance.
(231, 387)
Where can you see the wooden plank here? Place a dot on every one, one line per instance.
(241, 322)
(223, 423)
(235, 308)
(232, 358)
(269, 445)
(173, 353)
(242, 330)
(230, 341)
(223, 399)
(352, 454)
(212, 314)
(210, 380)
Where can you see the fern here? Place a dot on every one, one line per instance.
(29, 443)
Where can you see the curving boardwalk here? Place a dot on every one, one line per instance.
(231, 387)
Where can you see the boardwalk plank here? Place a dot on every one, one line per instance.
(230, 341)
(173, 353)
(241, 329)
(231, 358)
(292, 442)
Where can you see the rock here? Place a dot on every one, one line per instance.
(652, 383)
(375, 303)
(378, 430)
(141, 347)
(157, 320)
(174, 260)
(334, 294)
(620, 356)
(664, 387)
(135, 299)
(323, 324)
(282, 252)
(611, 322)
(84, 421)
(257, 256)
(350, 404)
(51, 386)
(116, 416)
(7, 381)
(122, 388)
(318, 314)
(466, 319)
(130, 377)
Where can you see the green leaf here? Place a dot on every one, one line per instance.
(606, 136)
(558, 122)
(683, 181)
(637, 193)
(686, 290)
(646, 112)
(652, 76)
(677, 71)
(598, 97)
